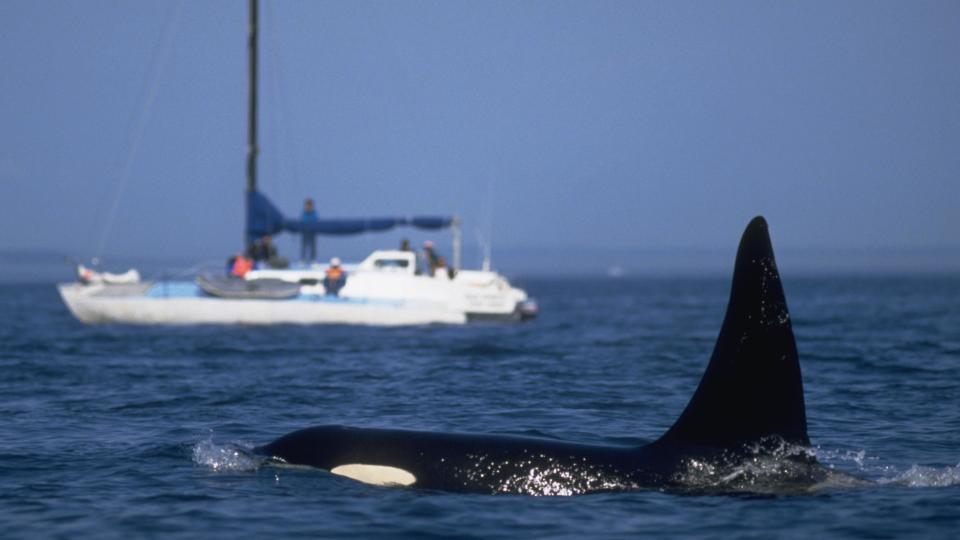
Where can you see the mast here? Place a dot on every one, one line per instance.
(252, 148)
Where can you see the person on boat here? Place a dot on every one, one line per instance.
(308, 239)
(405, 245)
(433, 259)
(335, 278)
(263, 251)
(239, 265)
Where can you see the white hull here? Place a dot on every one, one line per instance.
(388, 288)
(383, 290)
(92, 304)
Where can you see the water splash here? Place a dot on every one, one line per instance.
(539, 475)
(770, 467)
(229, 457)
(922, 476)
(792, 469)
(859, 459)
(885, 474)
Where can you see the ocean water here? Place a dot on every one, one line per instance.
(116, 432)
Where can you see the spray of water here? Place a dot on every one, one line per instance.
(229, 457)
(876, 470)
(921, 476)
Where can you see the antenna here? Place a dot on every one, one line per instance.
(485, 251)
(457, 241)
(486, 243)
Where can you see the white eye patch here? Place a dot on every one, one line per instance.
(377, 475)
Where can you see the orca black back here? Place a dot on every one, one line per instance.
(751, 392)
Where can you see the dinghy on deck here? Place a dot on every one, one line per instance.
(247, 289)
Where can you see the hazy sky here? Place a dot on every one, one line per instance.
(620, 125)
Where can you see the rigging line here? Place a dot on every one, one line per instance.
(285, 148)
(160, 55)
(274, 158)
(269, 72)
(281, 116)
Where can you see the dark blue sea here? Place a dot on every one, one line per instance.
(116, 432)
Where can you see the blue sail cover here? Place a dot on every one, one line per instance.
(264, 218)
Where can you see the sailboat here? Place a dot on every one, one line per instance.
(389, 287)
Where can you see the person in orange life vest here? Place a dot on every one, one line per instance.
(335, 278)
(241, 264)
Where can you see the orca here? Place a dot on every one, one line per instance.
(748, 406)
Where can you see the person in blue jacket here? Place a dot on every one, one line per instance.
(308, 240)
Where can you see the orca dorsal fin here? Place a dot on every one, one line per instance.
(752, 387)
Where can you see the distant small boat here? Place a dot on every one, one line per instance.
(387, 288)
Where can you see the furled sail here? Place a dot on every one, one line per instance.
(264, 218)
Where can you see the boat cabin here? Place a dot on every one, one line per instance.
(393, 261)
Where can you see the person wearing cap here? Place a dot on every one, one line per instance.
(335, 278)
(434, 261)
